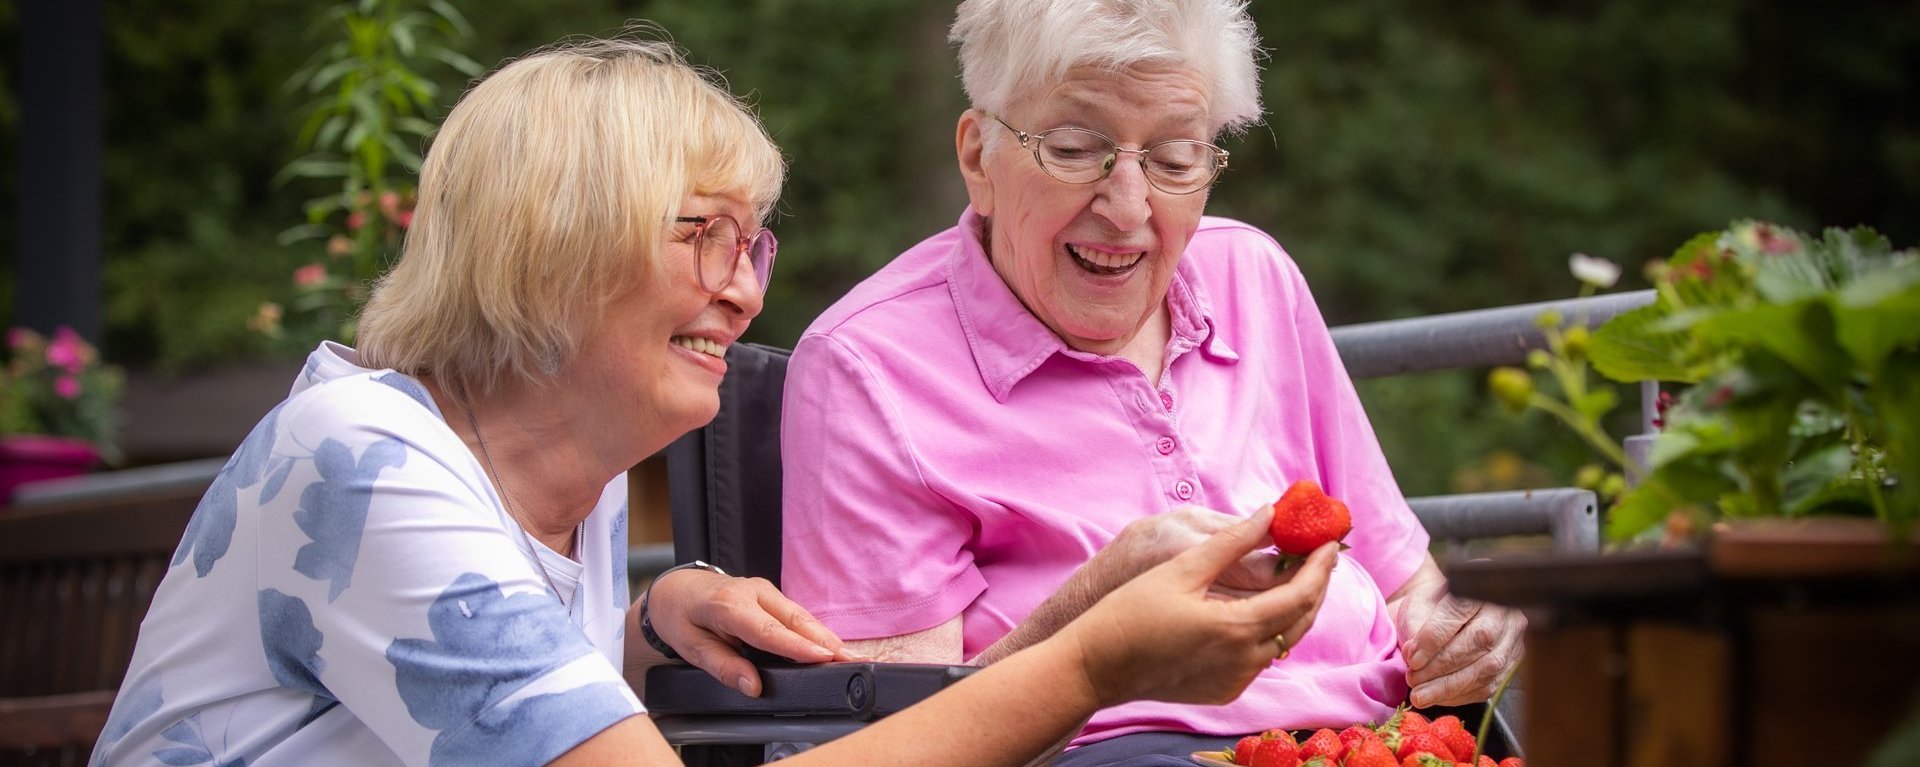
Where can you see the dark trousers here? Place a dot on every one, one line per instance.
(1143, 749)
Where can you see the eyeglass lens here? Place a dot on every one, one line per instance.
(1082, 156)
(721, 246)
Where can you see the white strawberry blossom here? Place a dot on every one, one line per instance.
(1597, 272)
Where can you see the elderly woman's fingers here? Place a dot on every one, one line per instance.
(1472, 682)
(1445, 618)
(1468, 668)
(1201, 565)
(1492, 631)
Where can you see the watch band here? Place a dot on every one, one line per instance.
(646, 620)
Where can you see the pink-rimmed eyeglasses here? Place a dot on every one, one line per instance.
(720, 244)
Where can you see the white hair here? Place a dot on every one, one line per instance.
(1008, 47)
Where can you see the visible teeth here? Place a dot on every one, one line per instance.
(701, 345)
(1106, 260)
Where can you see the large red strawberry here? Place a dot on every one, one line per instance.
(1371, 753)
(1458, 740)
(1243, 750)
(1305, 518)
(1512, 761)
(1485, 761)
(1323, 742)
(1424, 759)
(1277, 752)
(1350, 738)
(1423, 741)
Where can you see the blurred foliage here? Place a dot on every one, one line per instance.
(372, 109)
(1416, 157)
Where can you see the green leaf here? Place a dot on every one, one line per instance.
(310, 167)
(330, 74)
(401, 152)
(460, 63)
(302, 233)
(403, 39)
(1872, 329)
(1803, 483)
(330, 130)
(1801, 334)
(453, 17)
(415, 126)
(1627, 348)
(1896, 397)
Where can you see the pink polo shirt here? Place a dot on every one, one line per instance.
(946, 454)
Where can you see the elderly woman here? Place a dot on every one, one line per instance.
(417, 558)
(1086, 375)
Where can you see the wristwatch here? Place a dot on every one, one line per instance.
(646, 621)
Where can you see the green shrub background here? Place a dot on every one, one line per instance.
(1416, 157)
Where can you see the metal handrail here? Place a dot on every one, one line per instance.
(1470, 339)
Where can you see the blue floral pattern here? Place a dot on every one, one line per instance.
(210, 531)
(486, 646)
(333, 511)
(381, 610)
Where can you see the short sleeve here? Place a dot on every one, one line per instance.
(390, 585)
(1387, 538)
(852, 487)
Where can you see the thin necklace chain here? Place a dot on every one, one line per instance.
(494, 474)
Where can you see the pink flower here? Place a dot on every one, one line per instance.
(309, 276)
(355, 220)
(405, 219)
(339, 245)
(68, 387)
(390, 204)
(68, 351)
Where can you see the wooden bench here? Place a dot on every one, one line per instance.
(77, 572)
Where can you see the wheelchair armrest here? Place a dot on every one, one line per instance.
(859, 691)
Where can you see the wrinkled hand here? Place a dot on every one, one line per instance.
(1162, 636)
(708, 617)
(1456, 649)
(1150, 541)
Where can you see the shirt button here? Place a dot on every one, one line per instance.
(1166, 400)
(1183, 489)
(1166, 445)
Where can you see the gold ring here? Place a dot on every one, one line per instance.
(1281, 640)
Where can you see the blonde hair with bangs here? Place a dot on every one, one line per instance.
(546, 193)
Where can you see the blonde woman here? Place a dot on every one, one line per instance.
(417, 558)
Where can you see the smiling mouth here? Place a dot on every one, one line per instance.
(701, 345)
(1105, 264)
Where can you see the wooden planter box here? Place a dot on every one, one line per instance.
(1791, 643)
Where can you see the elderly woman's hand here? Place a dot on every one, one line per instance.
(707, 617)
(1457, 650)
(1149, 541)
(1168, 635)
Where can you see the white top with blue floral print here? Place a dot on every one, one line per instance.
(351, 591)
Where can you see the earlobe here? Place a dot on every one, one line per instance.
(970, 146)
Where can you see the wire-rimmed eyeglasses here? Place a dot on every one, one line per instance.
(1081, 156)
(719, 243)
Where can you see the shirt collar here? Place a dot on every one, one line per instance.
(1008, 342)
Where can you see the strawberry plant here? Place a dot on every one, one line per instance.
(1800, 358)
